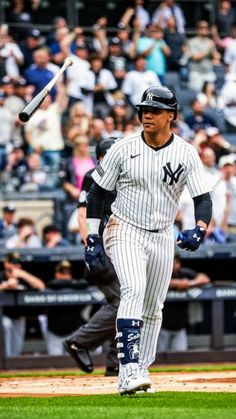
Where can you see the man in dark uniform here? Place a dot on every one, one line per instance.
(101, 326)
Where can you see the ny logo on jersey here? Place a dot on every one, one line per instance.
(149, 97)
(173, 175)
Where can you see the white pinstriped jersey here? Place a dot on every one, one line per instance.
(149, 181)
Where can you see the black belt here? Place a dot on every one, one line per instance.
(154, 231)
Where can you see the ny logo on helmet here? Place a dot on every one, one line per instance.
(172, 175)
(149, 97)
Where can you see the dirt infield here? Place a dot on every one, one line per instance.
(96, 384)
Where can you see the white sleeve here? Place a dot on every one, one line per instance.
(107, 171)
(88, 80)
(197, 181)
(17, 52)
(155, 79)
(108, 79)
(228, 56)
(127, 85)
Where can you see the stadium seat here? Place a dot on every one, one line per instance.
(230, 137)
(185, 97)
(218, 116)
(172, 79)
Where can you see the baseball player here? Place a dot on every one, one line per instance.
(101, 326)
(149, 170)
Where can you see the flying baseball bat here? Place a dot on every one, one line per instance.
(35, 103)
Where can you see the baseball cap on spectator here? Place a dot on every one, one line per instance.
(81, 45)
(63, 266)
(9, 208)
(211, 131)
(20, 82)
(13, 258)
(115, 41)
(34, 33)
(119, 102)
(5, 80)
(122, 26)
(226, 160)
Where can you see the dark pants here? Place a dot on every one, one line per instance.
(101, 326)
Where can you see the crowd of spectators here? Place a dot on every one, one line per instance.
(95, 99)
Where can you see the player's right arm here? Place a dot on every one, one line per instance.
(95, 207)
(105, 177)
(94, 252)
(82, 205)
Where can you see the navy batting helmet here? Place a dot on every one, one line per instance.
(103, 147)
(158, 97)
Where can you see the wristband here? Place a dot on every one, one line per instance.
(93, 225)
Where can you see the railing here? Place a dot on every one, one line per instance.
(91, 295)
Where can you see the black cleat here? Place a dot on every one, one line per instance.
(112, 372)
(80, 355)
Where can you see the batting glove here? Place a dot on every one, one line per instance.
(94, 253)
(191, 239)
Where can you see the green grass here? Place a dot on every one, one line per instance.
(64, 373)
(151, 406)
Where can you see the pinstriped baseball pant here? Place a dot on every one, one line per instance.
(143, 262)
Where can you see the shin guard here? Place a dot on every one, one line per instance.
(128, 340)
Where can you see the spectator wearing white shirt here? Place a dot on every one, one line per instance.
(141, 13)
(230, 52)
(138, 80)
(216, 177)
(228, 101)
(164, 11)
(76, 72)
(136, 12)
(25, 236)
(97, 87)
(43, 132)
(6, 122)
(11, 56)
(219, 195)
(227, 166)
(15, 102)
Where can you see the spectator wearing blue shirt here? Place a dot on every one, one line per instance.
(7, 222)
(155, 50)
(41, 71)
(198, 117)
(30, 44)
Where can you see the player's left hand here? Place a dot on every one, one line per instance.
(94, 253)
(191, 239)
